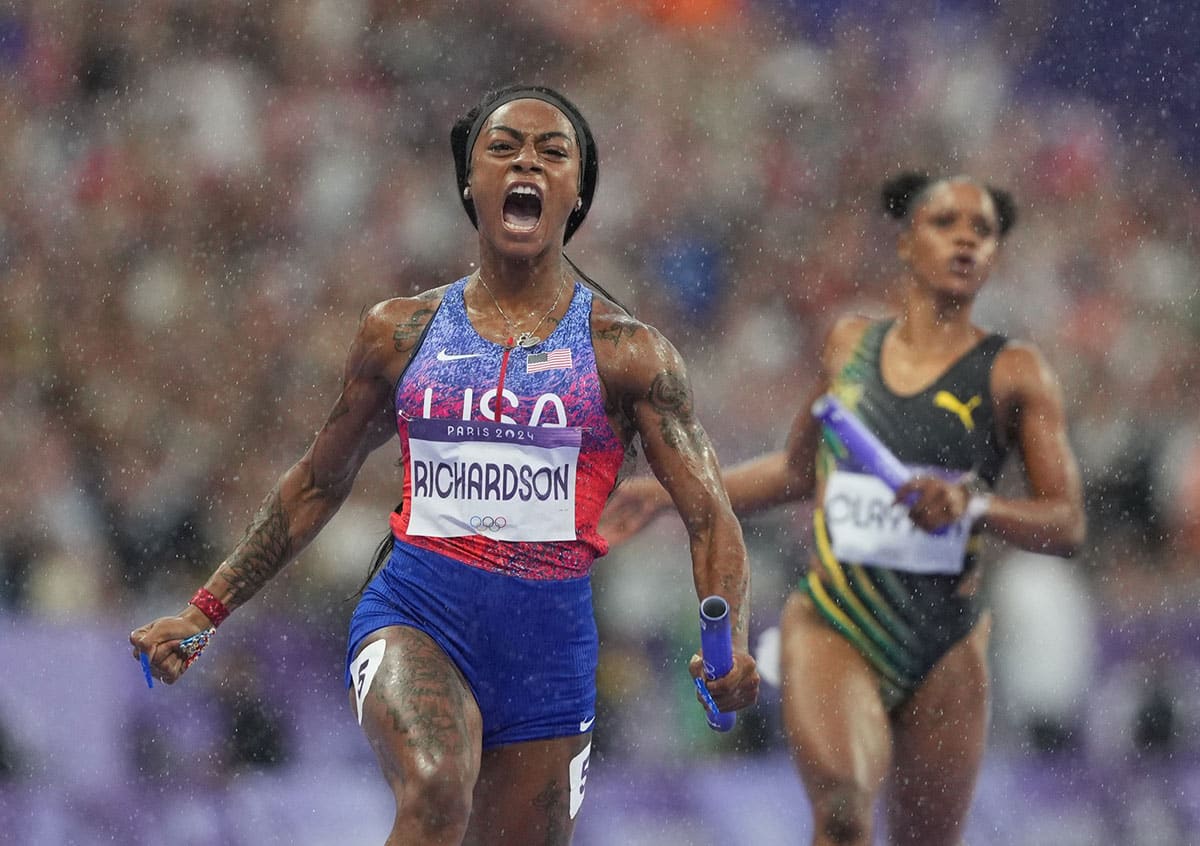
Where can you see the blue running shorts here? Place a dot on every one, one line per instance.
(527, 647)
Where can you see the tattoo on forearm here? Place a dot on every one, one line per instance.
(614, 334)
(261, 553)
(407, 333)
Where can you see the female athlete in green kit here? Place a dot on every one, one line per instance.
(884, 643)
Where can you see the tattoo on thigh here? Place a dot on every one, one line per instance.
(550, 803)
(432, 720)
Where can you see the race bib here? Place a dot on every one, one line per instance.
(504, 481)
(866, 526)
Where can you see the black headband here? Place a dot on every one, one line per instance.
(529, 94)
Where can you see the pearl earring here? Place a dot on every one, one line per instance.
(579, 204)
(467, 193)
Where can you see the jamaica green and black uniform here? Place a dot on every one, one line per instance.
(904, 622)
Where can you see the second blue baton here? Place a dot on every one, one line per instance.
(716, 642)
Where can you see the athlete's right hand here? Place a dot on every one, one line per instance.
(160, 641)
(632, 505)
(934, 502)
(736, 689)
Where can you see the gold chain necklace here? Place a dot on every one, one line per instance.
(525, 340)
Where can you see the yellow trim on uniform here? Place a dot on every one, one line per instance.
(851, 632)
(832, 566)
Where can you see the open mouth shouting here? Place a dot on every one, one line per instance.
(522, 207)
(962, 264)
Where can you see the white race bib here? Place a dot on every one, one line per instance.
(500, 480)
(867, 526)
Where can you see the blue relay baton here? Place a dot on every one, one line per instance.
(716, 642)
(146, 669)
(864, 448)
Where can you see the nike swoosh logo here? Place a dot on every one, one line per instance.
(587, 724)
(445, 356)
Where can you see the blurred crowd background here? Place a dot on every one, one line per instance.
(200, 198)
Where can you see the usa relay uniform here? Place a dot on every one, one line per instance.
(509, 458)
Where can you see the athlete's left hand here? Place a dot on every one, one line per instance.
(736, 689)
(934, 503)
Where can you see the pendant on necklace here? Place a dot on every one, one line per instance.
(526, 340)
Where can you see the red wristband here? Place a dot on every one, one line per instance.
(213, 608)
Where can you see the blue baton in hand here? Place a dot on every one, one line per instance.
(716, 642)
(865, 449)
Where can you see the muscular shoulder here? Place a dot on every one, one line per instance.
(1021, 372)
(844, 336)
(389, 330)
(630, 354)
(398, 322)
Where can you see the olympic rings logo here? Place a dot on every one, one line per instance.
(488, 524)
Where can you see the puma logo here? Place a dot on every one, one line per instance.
(947, 400)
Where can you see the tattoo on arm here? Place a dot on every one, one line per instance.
(261, 553)
(670, 396)
(614, 334)
(407, 333)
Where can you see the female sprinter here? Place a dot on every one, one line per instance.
(884, 644)
(515, 392)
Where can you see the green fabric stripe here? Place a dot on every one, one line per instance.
(896, 593)
(900, 657)
(847, 629)
(860, 580)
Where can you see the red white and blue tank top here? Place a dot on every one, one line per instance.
(510, 482)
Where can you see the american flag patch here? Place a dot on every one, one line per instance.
(553, 360)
